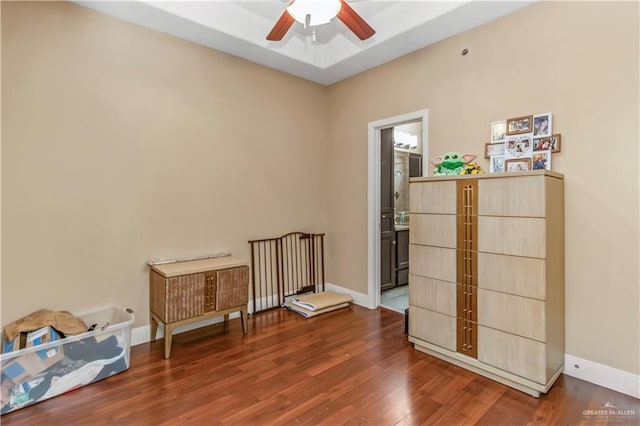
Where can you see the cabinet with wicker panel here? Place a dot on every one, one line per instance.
(486, 282)
(183, 293)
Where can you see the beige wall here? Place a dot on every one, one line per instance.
(120, 144)
(576, 60)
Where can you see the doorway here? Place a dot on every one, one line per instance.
(379, 130)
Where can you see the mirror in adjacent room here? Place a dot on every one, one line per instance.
(407, 152)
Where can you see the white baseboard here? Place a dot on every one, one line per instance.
(602, 375)
(358, 298)
(142, 334)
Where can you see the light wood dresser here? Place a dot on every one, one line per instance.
(183, 293)
(486, 282)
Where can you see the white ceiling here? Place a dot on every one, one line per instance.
(240, 28)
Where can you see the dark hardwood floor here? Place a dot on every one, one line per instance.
(352, 366)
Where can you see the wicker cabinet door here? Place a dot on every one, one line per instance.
(232, 287)
(184, 297)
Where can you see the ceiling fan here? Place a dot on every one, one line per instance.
(318, 12)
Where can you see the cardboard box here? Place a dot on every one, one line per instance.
(39, 337)
(11, 345)
(29, 365)
(30, 339)
(25, 367)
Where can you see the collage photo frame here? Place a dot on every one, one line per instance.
(522, 143)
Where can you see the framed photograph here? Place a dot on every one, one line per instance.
(493, 149)
(547, 143)
(518, 146)
(542, 125)
(498, 130)
(517, 165)
(541, 160)
(519, 125)
(496, 164)
(555, 143)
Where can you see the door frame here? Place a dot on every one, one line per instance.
(373, 192)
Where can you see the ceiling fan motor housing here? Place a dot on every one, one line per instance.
(318, 12)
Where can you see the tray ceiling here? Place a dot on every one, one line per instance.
(240, 27)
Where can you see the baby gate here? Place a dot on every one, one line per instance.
(285, 266)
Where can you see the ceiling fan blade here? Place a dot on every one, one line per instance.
(281, 27)
(354, 22)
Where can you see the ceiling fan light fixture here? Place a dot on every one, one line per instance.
(320, 11)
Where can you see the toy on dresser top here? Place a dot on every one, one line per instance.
(455, 163)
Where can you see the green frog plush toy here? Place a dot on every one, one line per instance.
(451, 163)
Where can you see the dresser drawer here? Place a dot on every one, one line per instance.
(512, 196)
(433, 197)
(514, 314)
(432, 327)
(518, 236)
(522, 276)
(433, 262)
(433, 230)
(518, 355)
(435, 295)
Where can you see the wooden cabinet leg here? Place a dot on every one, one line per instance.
(225, 325)
(154, 329)
(168, 335)
(243, 315)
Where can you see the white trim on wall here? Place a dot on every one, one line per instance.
(142, 334)
(602, 375)
(373, 193)
(359, 299)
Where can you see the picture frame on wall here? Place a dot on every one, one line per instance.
(517, 165)
(541, 160)
(555, 143)
(518, 146)
(519, 125)
(498, 130)
(542, 125)
(493, 149)
(547, 143)
(496, 164)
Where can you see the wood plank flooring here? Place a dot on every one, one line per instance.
(352, 366)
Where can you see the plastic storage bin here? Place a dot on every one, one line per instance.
(41, 372)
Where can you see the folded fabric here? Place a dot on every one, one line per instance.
(308, 314)
(325, 299)
(62, 321)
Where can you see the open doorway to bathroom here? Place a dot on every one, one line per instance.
(397, 151)
(400, 159)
